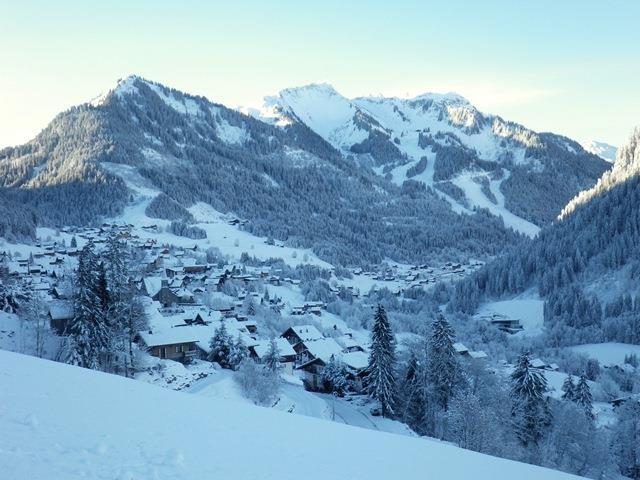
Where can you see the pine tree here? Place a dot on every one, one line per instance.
(530, 410)
(411, 403)
(334, 377)
(271, 359)
(445, 373)
(380, 377)
(221, 346)
(626, 439)
(238, 353)
(89, 333)
(101, 288)
(583, 397)
(250, 306)
(117, 299)
(116, 268)
(74, 242)
(568, 389)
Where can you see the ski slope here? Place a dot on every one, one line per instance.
(62, 423)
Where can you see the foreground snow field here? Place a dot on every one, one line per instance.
(63, 422)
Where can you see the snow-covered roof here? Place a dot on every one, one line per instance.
(61, 310)
(460, 348)
(346, 341)
(323, 348)
(169, 336)
(262, 347)
(307, 332)
(355, 360)
(152, 285)
(184, 293)
(538, 363)
(478, 354)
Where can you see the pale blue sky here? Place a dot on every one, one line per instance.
(572, 67)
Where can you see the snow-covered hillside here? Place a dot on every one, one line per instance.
(602, 149)
(627, 165)
(437, 139)
(106, 427)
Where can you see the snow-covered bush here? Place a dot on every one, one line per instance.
(258, 384)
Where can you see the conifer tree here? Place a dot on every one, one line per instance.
(530, 410)
(88, 330)
(334, 377)
(380, 377)
(568, 389)
(221, 346)
(445, 373)
(250, 306)
(271, 359)
(411, 403)
(583, 397)
(238, 352)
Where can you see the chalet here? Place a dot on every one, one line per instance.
(461, 349)
(195, 268)
(301, 333)
(538, 363)
(60, 315)
(287, 354)
(322, 349)
(250, 325)
(348, 344)
(312, 356)
(152, 285)
(503, 323)
(356, 363)
(478, 355)
(173, 271)
(177, 344)
(167, 297)
(184, 295)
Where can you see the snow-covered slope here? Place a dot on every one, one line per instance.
(627, 165)
(602, 149)
(63, 422)
(456, 141)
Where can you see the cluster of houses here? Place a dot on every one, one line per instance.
(176, 282)
(402, 278)
(183, 333)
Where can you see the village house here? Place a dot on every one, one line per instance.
(60, 315)
(287, 354)
(177, 344)
(297, 334)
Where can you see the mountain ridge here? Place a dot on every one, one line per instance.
(377, 200)
(397, 133)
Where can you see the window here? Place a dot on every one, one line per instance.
(177, 348)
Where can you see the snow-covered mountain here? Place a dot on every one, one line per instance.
(357, 180)
(627, 165)
(472, 159)
(586, 265)
(603, 150)
(108, 427)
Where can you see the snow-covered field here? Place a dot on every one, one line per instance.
(107, 427)
(607, 353)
